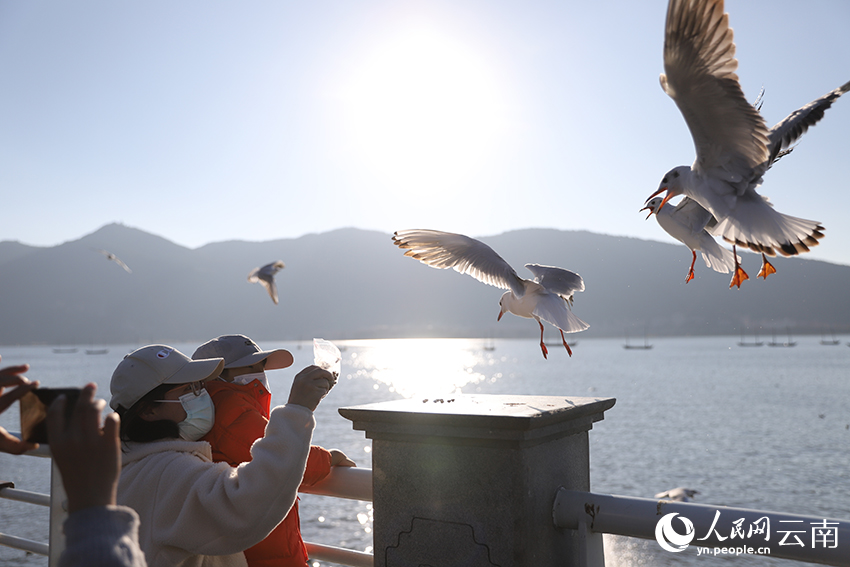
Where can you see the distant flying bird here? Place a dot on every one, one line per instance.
(687, 223)
(733, 144)
(265, 276)
(116, 259)
(678, 494)
(548, 297)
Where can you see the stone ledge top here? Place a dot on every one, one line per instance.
(506, 412)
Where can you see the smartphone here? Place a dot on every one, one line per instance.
(34, 406)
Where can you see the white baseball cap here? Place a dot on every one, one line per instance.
(238, 351)
(146, 368)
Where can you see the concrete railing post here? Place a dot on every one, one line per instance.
(471, 480)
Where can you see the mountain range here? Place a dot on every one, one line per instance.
(352, 283)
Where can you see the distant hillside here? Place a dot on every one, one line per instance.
(352, 283)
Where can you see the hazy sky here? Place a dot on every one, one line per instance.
(204, 121)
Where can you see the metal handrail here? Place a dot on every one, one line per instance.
(639, 517)
(9, 492)
(339, 555)
(354, 483)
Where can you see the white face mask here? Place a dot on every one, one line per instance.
(200, 415)
(248, 378)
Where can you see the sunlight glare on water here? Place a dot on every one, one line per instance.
(421, 367)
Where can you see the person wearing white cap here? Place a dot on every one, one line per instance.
(241, 399)
(195, 512)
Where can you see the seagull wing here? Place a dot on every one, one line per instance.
(272, 269)
(557, 280)
(464, 254)
(691, 214)
(271, 287)
(123, 265)
(730, 135)
(793, 126)
(553, 309)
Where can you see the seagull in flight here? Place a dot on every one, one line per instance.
(265, 275)
(687, 223)
(734, 147)
(547, 297)
(116, 259)
(680, 494)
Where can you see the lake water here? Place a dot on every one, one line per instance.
(763, 428)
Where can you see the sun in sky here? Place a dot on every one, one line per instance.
(423, 108)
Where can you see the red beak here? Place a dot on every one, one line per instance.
(649, 215)
(499, 318)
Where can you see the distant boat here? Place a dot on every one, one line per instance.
(64, 350)
(644, 346)
(788, 343)
(744, 343)
(829, 342)
(489, 343)
(97, 350)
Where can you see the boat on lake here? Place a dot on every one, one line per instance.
(754, 343)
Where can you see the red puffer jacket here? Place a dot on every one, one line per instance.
(241, 414)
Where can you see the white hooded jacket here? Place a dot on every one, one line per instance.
(197, 513)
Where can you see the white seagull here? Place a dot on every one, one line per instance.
(733, 144)
(265, 276)
(687, 223)
(548, 297)
(116, 259)
(680, 494)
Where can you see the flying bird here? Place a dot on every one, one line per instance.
(734, 147)
(546, 298)
(265, 275)
(687, 222)
(116, 259)
(678, 494)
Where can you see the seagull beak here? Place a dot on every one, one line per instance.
(655, 194)
(661, 206)
(650, 212)
(499, 318)
(666, 198)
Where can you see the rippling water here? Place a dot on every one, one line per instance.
(763, 428)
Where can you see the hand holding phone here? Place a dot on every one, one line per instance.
(88, 455)
(13, 376)
(34, 406)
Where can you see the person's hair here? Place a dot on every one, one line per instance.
(135, 428)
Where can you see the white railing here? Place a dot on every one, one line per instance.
(353, 483)
(55, 501)
(343, 482)
(808, 539)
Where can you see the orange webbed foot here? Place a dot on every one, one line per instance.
(690, 276)
(545, 351)
(739, 277)
(766, 268)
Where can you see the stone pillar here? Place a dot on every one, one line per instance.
(471, 480)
